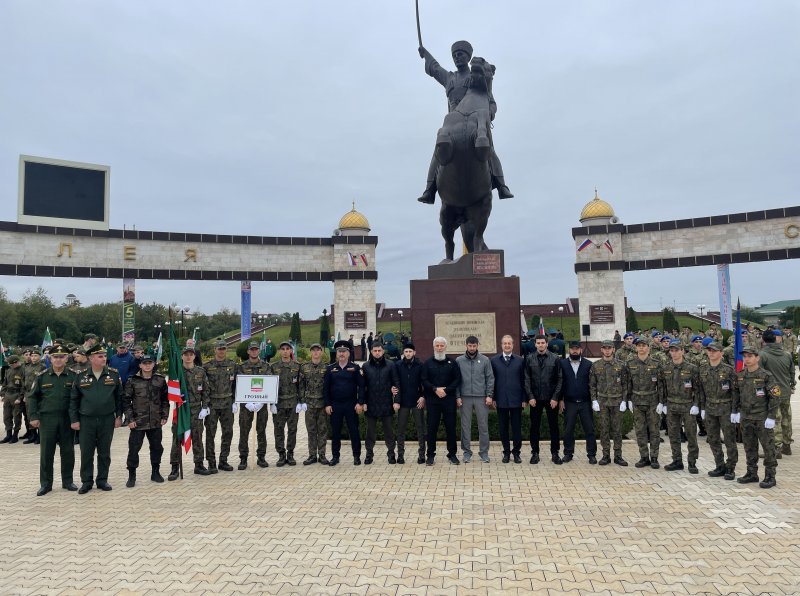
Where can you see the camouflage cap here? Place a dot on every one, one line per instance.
(253, 344)
(13, 359)
(714, 346)
(607, 343)
(675, 344)
(187, 349)
(218, 344)
(287, 344)
(148, 358)
(315, 347)
(749, 350)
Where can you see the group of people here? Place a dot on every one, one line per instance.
(89, 399)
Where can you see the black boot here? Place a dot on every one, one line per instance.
(8, 438)
(36, 439)
(15, 438)
(201, 470)
(156, 476)
(173, 473)
(281, 460)
(312, 459)
(730, 474)
(643, 462)
(717, 472)
(27, 433)
(390, 456)
(748, 478)
(323, 460)
(225, 466)
(768, 482)
(290, 458)
(242, 463)
(262, 462)
(131, 478)
(31, 437)
(675, 465)
(693, 467)
(368, 459)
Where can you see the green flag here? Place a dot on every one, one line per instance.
(47, 340)
(177, 391)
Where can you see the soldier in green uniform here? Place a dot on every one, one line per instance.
(195, 380)
(780, 365)
(789, 339)
(221, 372)
(286, 414)
(627, 351)
(33, 368)
(311, 376)
(79, 364)
(95, 409)
(681, 400)
(48, 407)
(607, 385)
(13, 393)
(253, 366)
(146, 410)
(645, 387)
(756, 398)
(717, 380)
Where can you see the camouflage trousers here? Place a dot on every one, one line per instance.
(197, 441)
(317, 428)
(783, 423)
(12, 417)
(246, 423)
(753, 433)
(285, 418)
(223, 416)
(609, 422)
(715, 424)
(646, 423)
(677, 416)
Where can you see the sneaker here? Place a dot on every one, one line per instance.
(453, 459)
(467, 458)
(485, 459)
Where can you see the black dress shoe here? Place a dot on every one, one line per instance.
(201, 470)
(85, 488)
(104, 486)
(429, 461)
(593, 460)
(334, 461)
(534, 458)
(261, 462)
(357, 461)
(421, 459)
(453, 459)
(368, 459)
(70, 487)
(517, 459)
(401, 459)
(566, 459)
(506, 458)
(43, 491)
(557, 460)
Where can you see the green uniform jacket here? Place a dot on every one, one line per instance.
(625, 353)
(681, 384)
(196, 381)
(756, 395)
(14, 387)
(253, 368)
(645, 382)
(50, 393)
(29, 372)
(311, 377)
(717, 383)
(289, 384)
(608, 382)
(221, 382)
(780, 364)
(145, 401)
(96, 396)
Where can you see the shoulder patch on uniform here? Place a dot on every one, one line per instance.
(112, 369)
(775, 391)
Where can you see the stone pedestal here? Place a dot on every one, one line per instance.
(456, 302)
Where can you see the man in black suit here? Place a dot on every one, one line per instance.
(577, 402)
(509, 397)
(543, 390)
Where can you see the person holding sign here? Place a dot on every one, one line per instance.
(286, 415)
(341, 389)
(253, 366)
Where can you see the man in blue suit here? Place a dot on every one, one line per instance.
(509, 397)
(577, 402)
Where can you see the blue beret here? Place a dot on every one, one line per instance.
(667, 337)
(640, 340)
(655, 333)
(627, 335)
(777, 332)
(696, 338)
(707, 340)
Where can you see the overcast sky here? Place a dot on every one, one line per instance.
(269, 118)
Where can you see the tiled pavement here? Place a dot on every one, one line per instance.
(472, 529)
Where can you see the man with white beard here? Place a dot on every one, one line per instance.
(441, 378)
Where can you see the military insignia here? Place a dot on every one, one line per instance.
(726, 386)
(760, 392)
(775, 391)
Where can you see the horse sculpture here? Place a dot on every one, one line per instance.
(464, 178)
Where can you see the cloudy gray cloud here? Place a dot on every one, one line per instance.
(270, 118)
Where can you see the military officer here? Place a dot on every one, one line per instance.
(756, 398)
(681, 403)
(30, 370)
(341, 390)
(221, 372)
(253, 366)
(645, 386)
(95, 409)
(717, 380)
(146, 410)
(312, 376)
(13, 393)
(195, 380)
(286, 414)
(607, 386)
(48, 407)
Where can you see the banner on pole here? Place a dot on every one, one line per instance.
(245, 326)
(257, 389)
(724, 287)
(128, 309)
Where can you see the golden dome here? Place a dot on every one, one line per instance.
(597, 207)
(353, 220)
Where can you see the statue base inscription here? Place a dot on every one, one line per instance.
(487, 263)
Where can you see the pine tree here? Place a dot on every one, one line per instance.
(294, 330)
(669, 321)
(630, 320)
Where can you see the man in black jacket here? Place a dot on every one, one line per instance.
(509, 397)
(441, 378)
(543, 387)
(577, 402)
(379, 396)
(409, 373)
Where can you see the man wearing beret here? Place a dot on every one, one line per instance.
(456, 85)
(221, 373)
(627, 351)
(253, 366)
(286, 414)
(95, 409)
(48, 405)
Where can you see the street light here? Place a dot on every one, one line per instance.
(184, 311)
(400, 312)
(561, 312)
(702, 307)
(196, 329)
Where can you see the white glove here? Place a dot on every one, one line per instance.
(769, 423)
(735, 418)
(694, 411)
(203, 413)
(251, 407)
(305, 407)
(623, 406)
(273, 408)
(257, 407)
(596, 406)
(235, 407)
(630, 406)
(664, 409)
(298, 408)
(702, 414)
(659, 409)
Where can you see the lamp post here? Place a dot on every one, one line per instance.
(561, 312)
(400, 312)
(184, 311)
(196, 329)
(702, 307)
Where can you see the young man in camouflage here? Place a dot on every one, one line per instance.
(13, 393)
(146, 411)
(681, 403)
(645, 386)
(780, 365)
(253, 366)
(716, 381)
(756, 398)
(30, 370)
(221, 373)
(627, 351)
(287, 413)
(195, 380)
(312, 375)
(607, 385)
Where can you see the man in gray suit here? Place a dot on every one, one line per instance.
(475, 393)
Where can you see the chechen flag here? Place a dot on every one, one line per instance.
(177, 392)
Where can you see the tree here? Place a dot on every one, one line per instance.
(749, 313)
(535, 320)
(669, 321)
(630, 320)
(294, 330)
(792, 315)
(324, 328)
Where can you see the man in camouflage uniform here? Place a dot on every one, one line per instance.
(312, 375)
(48, 404)
(607, 385)
(221, 372)
(714, 332)
(681, 400)
(697, 356)
(755, 405)
(79, 364)
(13, 394)
(716, 381)
(627, 351)
(644, 379)
(30, 371)
(146, 410)
(286, 413)
(780, 365)
(196, 386)
(789, 339)
(253, 366)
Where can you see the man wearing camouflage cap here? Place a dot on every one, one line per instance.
(607, 387)
(253, 366)
(286, 414)
(681, 403)
(196, 383)
(312, 376)
(29, 372)
(717, 381)
(13, 393)
(221, 373)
